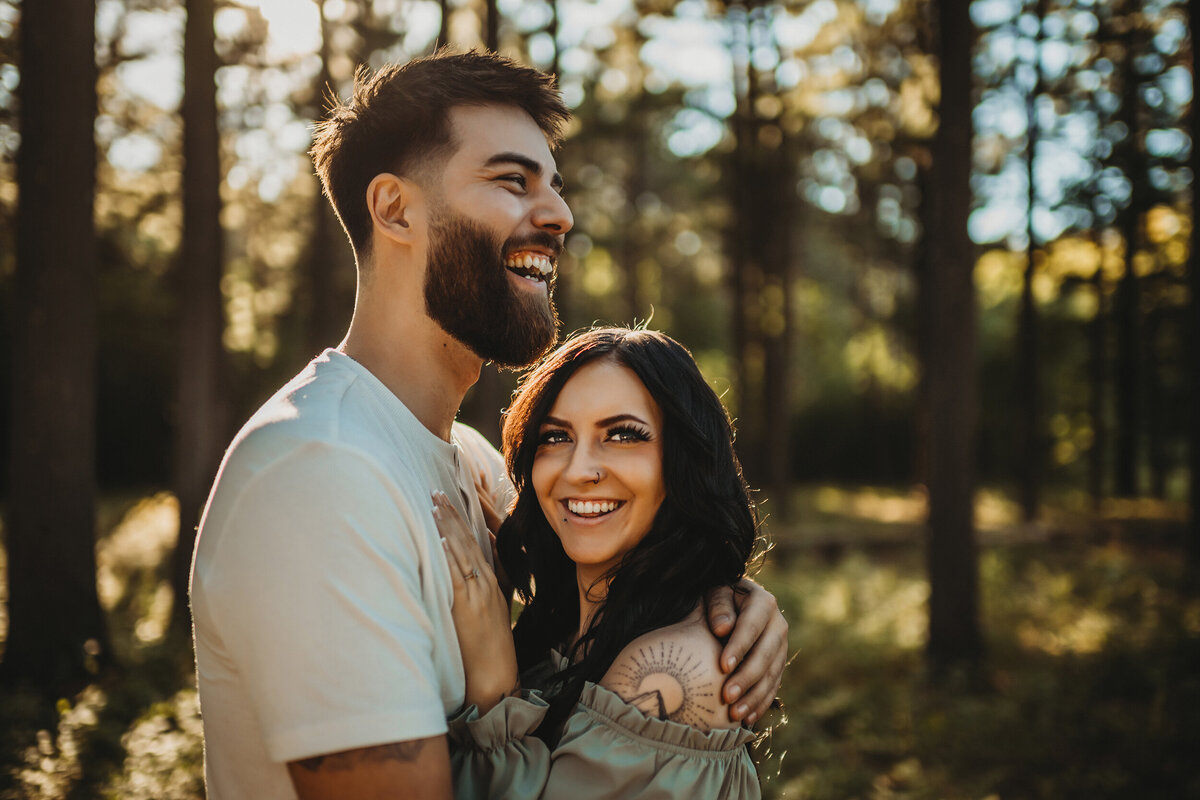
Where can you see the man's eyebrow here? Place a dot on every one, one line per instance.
(556, 181)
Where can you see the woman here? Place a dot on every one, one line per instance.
(630, 506)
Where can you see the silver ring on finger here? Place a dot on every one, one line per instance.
(472, 574)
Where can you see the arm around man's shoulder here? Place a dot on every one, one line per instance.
(673, 674)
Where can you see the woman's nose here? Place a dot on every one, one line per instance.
(584, 466)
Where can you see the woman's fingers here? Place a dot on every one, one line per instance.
(463, 554)
(491, 516)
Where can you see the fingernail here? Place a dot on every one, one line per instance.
(445, 546)
(722, 619)
(730, 662)
(734, 691)
(750, 720)
(741, 710)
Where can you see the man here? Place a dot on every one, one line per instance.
(325, 654)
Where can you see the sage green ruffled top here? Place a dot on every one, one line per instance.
(609, 749)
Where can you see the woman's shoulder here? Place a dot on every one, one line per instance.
(672, 673)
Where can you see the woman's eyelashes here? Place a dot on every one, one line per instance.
(621, 434)
(553, 436)
(628, 433)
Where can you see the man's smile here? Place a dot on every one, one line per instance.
(530, 264)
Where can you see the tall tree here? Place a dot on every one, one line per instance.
(1193, 365)
(1028, 384)
(330, 300)
(1127, 300)
(954, 633)
(200, 422)
(56, 636)
(491, 26)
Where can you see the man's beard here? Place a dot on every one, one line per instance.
(467, 292)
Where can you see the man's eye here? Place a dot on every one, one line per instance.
(518, 180)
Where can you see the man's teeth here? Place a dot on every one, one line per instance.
(530, 261)
(591, 506)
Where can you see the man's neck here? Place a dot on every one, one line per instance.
(427, 369)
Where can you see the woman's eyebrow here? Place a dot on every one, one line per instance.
(604, 423)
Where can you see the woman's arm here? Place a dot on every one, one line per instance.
(672, 674)
(480, 613)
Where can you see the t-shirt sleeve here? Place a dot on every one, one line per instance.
(317, 592)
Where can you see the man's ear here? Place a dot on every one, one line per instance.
(391, 202)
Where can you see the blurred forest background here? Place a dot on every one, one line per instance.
(937, 257)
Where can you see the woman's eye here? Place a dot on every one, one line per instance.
(628, 435)
(553, 437)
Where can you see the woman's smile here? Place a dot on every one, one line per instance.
(598, 468)
(592, 509)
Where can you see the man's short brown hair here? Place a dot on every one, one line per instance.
(398, 121)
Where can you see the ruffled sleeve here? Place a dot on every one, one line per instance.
(609, 748)
(496, 755)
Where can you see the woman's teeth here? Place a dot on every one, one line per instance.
(530, 265)
(585, 507)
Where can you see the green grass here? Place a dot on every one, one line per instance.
(1090, 688)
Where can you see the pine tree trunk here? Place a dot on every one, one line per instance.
(329, 285)
(491, 22)
(745, 270)
(951, 371)
(1029, 437)
(774, 204)
(1127, 302)
(57, 638)
(1097, 369)
(200, 423)
(1193, 324)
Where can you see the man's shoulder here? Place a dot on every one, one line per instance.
(327, 407)
(673, 673)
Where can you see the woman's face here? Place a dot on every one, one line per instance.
(598, 470)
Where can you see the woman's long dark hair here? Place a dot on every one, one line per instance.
(702, 536)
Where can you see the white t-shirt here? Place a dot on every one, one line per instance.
(320, 590)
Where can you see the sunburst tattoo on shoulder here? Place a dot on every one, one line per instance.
(667, 682)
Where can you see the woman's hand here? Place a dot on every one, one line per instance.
(481, 616)
(493, 518)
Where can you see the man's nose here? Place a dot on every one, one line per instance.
(553, 215)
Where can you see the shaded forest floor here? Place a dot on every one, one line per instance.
(1091, 687)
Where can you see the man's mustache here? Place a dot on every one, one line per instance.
(539, 239)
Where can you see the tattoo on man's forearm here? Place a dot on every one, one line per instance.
(667, 683)
(406, 752)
